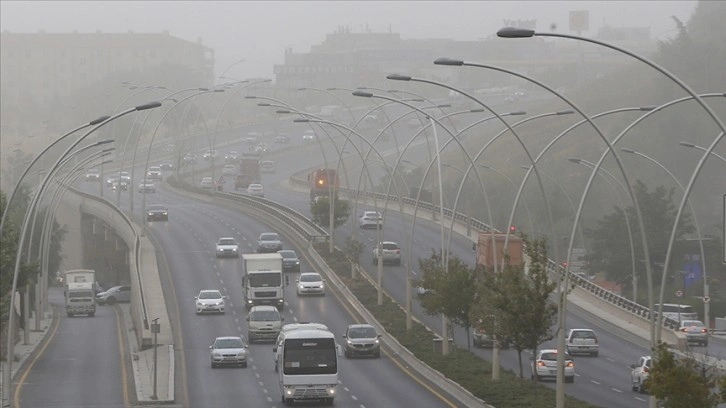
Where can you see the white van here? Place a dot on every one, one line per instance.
(677, 312)
(264, 323)
(277, 349)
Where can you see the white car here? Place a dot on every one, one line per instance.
(209, 154)
(267, 166)
(227, 247)
(154, 173)
(370, 219)
(545, 366)
(146, 186)
(695, 331)
(389, 251)
(309, 136)
(256, 190)
(310, 283)
(639, 373)
(209, 301)
(582, 341)
(207, 183)
(228, 350)
(93, 175)
(229, 169)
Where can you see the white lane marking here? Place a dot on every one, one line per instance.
(260, 383)
(354, 397)
(257, 375)
(610, 359)
(640, 399)
(346, 389)
(616, 390)
(595, 382)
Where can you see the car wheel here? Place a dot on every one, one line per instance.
(640, 387)
(276, 369)
(111, 300)
(244, 365)
(633, 385)
(570, 379)
(347, 354)
(378, 354)
(375, 261)
(398, 262)
(91, 314)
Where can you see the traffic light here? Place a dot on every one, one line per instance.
(321, 182)
(564, 264)
(512, 229)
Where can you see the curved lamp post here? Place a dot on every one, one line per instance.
(688, 144)
(706, 316)
(241, 60)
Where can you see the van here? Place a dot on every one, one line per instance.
(277, 349)
(264, 323)
(677, 312)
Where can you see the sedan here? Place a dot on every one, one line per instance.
(157, 212)
(269, 242)
(310, 283)
(695, 330)
(370, 219)
(209, 301)
(362, 340)
(389, 252)
(113, 295)
(639, 373)
(256, 190)
(227, 247)
(228, 350)
(93, 175)
(166, 165)
(154, 173)
(147, 186)
(290, 261)
(207, 183)
(545, 366)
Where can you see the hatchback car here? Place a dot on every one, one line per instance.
(310, 283)
(93, 175)
(228, 350)
(157, 212)
(147, 186)
(583, 341)
(256, 190)
(209, 154)
(154, 173)
(371, 219)
(166, 165)
(696, 331)
(362, 340)
(545, 366)
(113, 295)
(639, 373)
(269, 242)
(389, 252)
(308, 136)
(290, 261)
(209, 301)
(227, 247)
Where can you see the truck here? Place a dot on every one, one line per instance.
(80, 299)
(308, 366)
(79, 276)
(249, 172)
(323, 182)
(262, 280)
(484, 250)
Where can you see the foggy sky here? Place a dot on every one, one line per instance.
(260, 31)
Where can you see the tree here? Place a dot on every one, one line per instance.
(451, 292)
(515, 304)
(353, 249)
(320, 209)
(680, 383)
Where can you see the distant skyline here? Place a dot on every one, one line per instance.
(260, 32)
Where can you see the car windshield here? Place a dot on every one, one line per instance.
(269, 237)
(362, 333)
(287, 254)
(228, 343)
(154, 168)
(157, 208)
(692, 323)
(265, 315)
(549, 356)
(583, 335)
(227, 241)
(210, 295)
(310, 278)
(387, 245)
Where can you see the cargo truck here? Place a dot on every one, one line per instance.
(262, 280)
(249, 172)
(484, 250)
(80, 299)
(79, 276)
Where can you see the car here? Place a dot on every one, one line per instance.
(166, 165)
(228, 350)
(362, 340)
(267, 166)
(169, 148)
(696, 331)
(256, 190)
(269, 242)
(310, 283)
(482, 339)
(544, 366)
(93, 175)
(157, 212)
(207, 183)
(229, 169)
(227, 247)
(282, 138)
(209, 155)
(154, 173)
(114, 295)
(308, 136)
(209, 300)
(639, 373)
(111, 179)
(189, 158)
(252, 138)
(582, 341)
(290, 261)
(146, 186)
(121, 184)
(261, 148)
(231, 156)
(263, 323)
(370, 219)
(390, 253)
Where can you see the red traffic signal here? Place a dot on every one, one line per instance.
(564, 264)
(512, 228)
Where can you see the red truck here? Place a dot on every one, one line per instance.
(484, 250)
(249, 172)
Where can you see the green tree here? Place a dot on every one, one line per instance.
(320, 209)
(515, 304)
(680, 383)
(451, 292)
(611, 250)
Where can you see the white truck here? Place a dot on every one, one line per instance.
(262, 282)
(79, 276)
(309, 365)
(80, 299)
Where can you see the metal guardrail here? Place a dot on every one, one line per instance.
(552, 267)
(137, 247)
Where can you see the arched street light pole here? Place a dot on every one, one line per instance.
(241, 60)
(688, 144)
(706, 315)
(11, 321)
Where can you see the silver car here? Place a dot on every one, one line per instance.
(210, 301)
(269, 242)
(545, 366)
(362, 340)
(389, 251)
(228, 350)
(696, 331)
(113, 295)
(310, 283)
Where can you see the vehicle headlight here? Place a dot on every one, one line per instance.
(151, 213)
(234, 249)
(219, 304)
(217, 355)
(350, 343)
(297, 262)
(200, 304)
(376, 341)
(289, 391)
(165, 213)
(331, 391)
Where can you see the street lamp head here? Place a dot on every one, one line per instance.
(484, 166)
(362, 87)
(362, 94)
(525, 167)
(250, 97)
(103, 142)
(301, 120)
(283, 111)
(517, 113)
(687, 144)
(98, 120)
(575, 160)
(331, 89)
(263, 104)
(444, 105)
(302, 89)
(626, 150)
(565, 112)
(150, 105)
(477, 110)
(202, 89)
(449, 61)
(110, 149)
(170, 99)
(398, 77)
(514, 32)
(218, 90)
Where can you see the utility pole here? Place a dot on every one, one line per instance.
(155, 328)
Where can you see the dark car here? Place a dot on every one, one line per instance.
(157, 213)
(269, 242)
(290, 261)
(362, 340)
